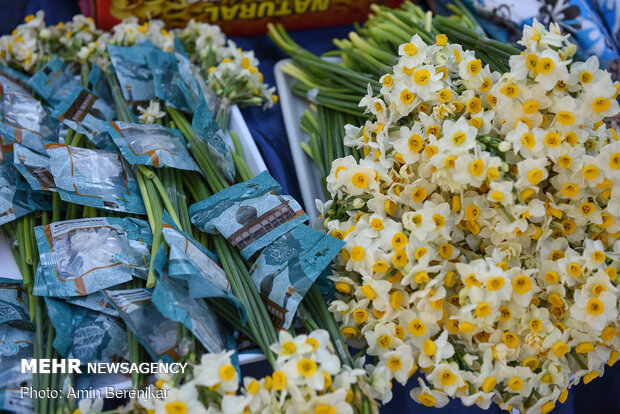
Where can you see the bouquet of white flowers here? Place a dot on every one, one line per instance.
(482, 225)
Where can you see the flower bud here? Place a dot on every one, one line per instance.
(358, 203)
(504, 146)
(504, 167)
(571, 50)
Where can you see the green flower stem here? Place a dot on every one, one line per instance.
(149, 174)
(56, 207)
(71, 213)
(384, 57)
(182, 201)
(254, 323)
(48, 355)
(25, 222)
(38, 348)
(242, 167)
(146, 200)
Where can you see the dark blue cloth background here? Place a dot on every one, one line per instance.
(267, 127)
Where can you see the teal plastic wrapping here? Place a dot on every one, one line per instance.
(80, 257)
(250, 215)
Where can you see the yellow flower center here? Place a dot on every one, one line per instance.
(595, 306)
(380, 266)
(476, 168)
(357, 253)
(399, 241)
(418, 195)
(415, 143)
(441, 39)
(279, 380)
(394, 363)
(360, 315)
(422, 77)
(459, 138)
(614, 161)
(472, 212)
(313, 343)
(445, 251)
(176, 407)
(324, 409)
(426, 399)
(474, 105)
(486, 85)
(600, 104)
(360, 180)
(510, 339)
(368, 291)
(430, 347)
(288, 347)
(535, 176)
(416, 327)
(400, 258)
(515, 383)
(447, 378)
(474, 67)
(552, 139)
(531, 106)
(483, 310)
(227, 372)
(545, 65)
(489, 384)
(406, 96)
(522, 284)
(444, 95)
(410, 49)
(495, 283)
(306, 367)
(531, 362)
(510, 90)
(565, 118)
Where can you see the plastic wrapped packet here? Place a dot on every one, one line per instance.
(13, 304)
(85, 113)
(54, 81)
(133, 72)
(287, 268)
(14, 202)
(96, 178)
(15, 78)
(250, 215)
(190, 261)
(193, 86)
(23, 119)
(80, 257)
(152, 144)
(157, 334)
(169, 86)
(15, 345)
(98, 85)
(172, 299)
(95, 301)
(34, 167)
(86, 335)
(208, 130)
